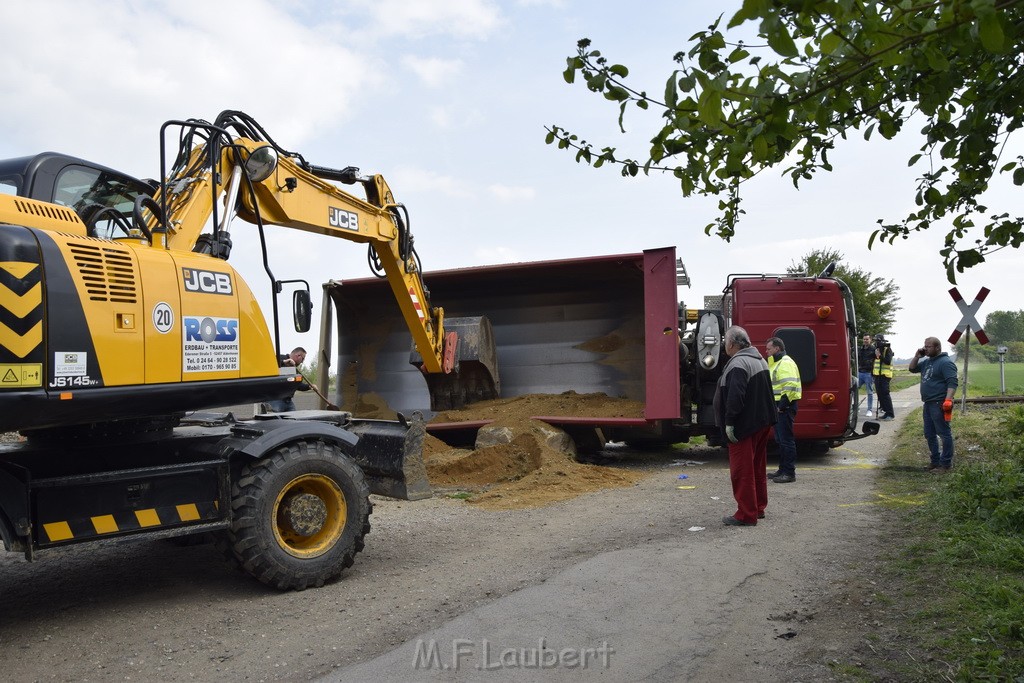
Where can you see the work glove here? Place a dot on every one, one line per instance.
(730, 433)
(947, 405)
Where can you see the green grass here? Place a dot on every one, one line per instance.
(956, 571)
(983, 378)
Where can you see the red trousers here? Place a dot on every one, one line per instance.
(748, 459)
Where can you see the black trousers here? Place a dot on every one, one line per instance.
(882, 391)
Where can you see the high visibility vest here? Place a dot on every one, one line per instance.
(785, 378)
(882, 369)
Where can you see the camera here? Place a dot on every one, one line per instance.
(881, 342)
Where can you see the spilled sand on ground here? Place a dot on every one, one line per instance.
(531, 470)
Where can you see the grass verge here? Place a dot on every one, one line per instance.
(951, 585)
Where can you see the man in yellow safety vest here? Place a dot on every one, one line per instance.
(881, 373)
(787, 389)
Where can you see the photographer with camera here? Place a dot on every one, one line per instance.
(881, 374)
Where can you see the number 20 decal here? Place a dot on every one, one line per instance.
(163, 317)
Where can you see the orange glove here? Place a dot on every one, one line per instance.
(947, 409)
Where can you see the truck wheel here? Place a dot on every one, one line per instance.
(299, 515)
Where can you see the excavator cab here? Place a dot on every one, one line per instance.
(102, 197)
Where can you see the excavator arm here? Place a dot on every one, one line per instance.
(257, 181)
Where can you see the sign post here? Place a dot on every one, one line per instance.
(966, 323)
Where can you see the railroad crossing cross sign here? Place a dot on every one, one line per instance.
(968, 321)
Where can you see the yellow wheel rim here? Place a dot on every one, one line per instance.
(309, 516)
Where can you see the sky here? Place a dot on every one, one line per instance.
(448, 100)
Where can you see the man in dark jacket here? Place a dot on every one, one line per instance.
(938, 386)
(865, 361)
(745, 411)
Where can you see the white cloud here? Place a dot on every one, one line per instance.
(151, 62)
(419, 180)
(512, 193)
(441, 117)
(433, 71)
(472, 19)
(497, 254)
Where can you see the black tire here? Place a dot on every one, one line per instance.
(299, 515)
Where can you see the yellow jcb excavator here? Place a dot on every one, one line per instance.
(120, 317)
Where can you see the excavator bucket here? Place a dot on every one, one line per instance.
(471, 363)
(390, 454)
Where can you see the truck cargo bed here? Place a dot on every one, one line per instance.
(604, 324)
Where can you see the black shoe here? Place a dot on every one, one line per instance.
(760, 515)
(784, 479)
(774, 474)
(732, 521)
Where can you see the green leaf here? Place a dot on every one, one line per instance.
(760, 148)
(1018, 176)
(751, 9)
(619, 70)
(615, 93)
(671, 94)
(780, 41)
(991, 34)
(737, 55)
(936, 60)
(709, 108)
(830, 42)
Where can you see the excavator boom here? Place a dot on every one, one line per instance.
(456, 356)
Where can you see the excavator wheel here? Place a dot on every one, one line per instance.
(299, 515)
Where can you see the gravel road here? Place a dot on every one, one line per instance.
(719, 603)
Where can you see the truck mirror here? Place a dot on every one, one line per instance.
(302, 310)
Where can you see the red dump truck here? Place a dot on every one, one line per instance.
(608, 324)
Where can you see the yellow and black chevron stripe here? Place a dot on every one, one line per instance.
(125, 521)
(21, 311)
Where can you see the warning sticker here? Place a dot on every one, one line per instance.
(209, 344)
(21, 375)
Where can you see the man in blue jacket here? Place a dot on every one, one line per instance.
(938, 385)
(745, 411)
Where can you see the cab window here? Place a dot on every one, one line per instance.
(102, 200)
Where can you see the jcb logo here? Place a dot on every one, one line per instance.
(339, 218)
(205, 281)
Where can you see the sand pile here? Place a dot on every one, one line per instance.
(533, 465)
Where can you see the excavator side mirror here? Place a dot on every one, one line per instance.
(261, 163)
(302, 310)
